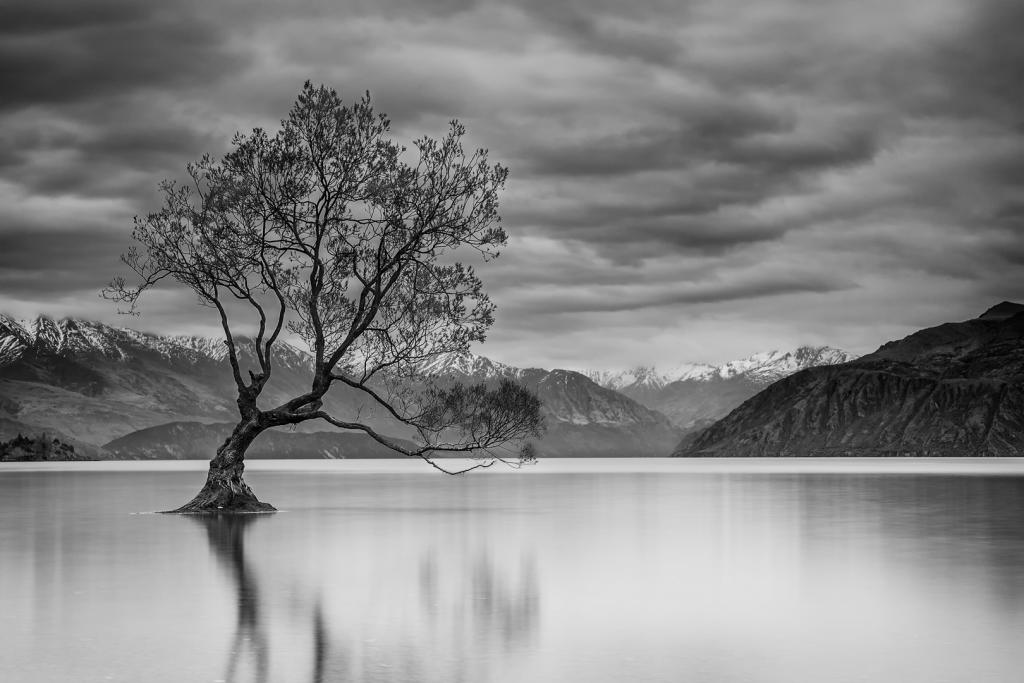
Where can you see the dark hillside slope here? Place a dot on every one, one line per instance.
(952, 390)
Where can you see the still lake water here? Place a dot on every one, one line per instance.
(580, 570)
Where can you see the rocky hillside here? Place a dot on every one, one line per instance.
(695, 395)
(952, 390)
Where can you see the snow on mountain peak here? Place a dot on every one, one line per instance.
(85, 337)
(764, 367)
(647, 376)
(694, 371)
(466, 364)
(68, 336)
(775, 365)
(71, 336)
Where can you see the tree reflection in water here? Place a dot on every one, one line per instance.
(226, 534)
(491, 601)
(479, 604)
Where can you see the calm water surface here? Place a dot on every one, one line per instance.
(590, 571)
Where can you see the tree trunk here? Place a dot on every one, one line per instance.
(225, 490)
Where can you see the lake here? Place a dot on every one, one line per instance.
(580, 570)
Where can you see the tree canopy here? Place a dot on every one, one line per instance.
(330, 232)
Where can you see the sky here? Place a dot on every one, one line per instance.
(691, 180)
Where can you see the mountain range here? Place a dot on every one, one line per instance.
(956, 389)
(117, 392)
(695, 395)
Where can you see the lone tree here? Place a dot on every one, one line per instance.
(324, 230)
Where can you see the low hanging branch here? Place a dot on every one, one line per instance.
(467, 419)
(324, 231)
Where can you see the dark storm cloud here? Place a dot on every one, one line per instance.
(981, 69)
(36, 261)
(75, 51)
(38, 18)
(90, 89)
(752, 164)
(722, 132)
(702, 127)
(95, 160)
(611, 29)
(624, 235)
(787, 156)
(759, 287)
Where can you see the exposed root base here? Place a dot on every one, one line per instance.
(265, 509)
(219, 500)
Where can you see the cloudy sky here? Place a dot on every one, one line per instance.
(692, 180)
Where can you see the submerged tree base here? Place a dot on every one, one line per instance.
(250, 507)
(224, 493)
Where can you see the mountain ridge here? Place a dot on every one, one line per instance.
(765, 366)
(951, 389)
(694, 395)
(583, 418)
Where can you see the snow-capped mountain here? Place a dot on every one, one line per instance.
(772, 366)
(650, 377)
(464, 365)
(693, 394)
(93, 383)
(766, 367)
(70, 337)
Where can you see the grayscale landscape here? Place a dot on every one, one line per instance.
(512, 342)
